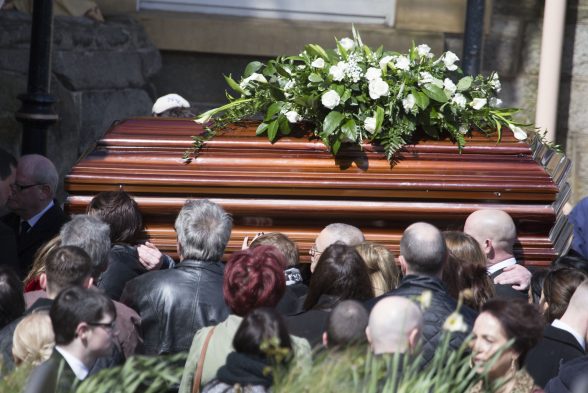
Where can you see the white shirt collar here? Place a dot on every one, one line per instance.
(564, 326)
(501, 265)
(34, 219)
(79, 369)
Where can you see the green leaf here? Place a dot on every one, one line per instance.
(346, 95)
(314, 77)
(332, 121)
(379, 118)
(272, 110)
(282, 70)
(252, 67)
(434, 92)
(261, 128)
(233, 85)
(349, 129)
(316, 50)
(335, 146)
(342, 51)
(272, 130)
(421, 99)
(284, 125)
(464, 83)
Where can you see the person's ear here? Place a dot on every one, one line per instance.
(367, 334)
(88, 282)
(82, 331)
(46, 191)
(413, 339)
(403, 264)
(43, 281)
(488, 247)
(325, 340)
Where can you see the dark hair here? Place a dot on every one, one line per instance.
(574, 260)
(177, 112)
(423, 248)
(12, 303)
(346, 324)
(254, 278)
(7, 164)
(262, 324)
(74, 305)
(67, 266)
(520, 321)
(340, 272)
(558, 287)
(536, 286)
(121, 213)
(465, 269)
(282, 243)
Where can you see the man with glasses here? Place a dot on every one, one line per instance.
(35, 217)
(83, 323)
(332, 233)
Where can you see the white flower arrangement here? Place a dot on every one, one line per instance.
(355, 94)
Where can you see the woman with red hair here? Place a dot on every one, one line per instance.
(254, 278)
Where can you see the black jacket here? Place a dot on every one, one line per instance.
(507, 291)
(556, 347)
(442, 305)
(572, 377)
(175, 303)
(8, 247)
(52, 376)
(312, 323)
(123, 266)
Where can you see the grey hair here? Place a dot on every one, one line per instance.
(345, 233)
(203, 230)
(90, 234)
(41, 169)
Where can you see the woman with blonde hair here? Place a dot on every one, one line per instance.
(383, 271)
(32, 282)
(33, 339)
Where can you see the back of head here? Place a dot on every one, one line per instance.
(343, 233)
(558, 287)
(91, 235)
(383, 271)
(282, 243)
(341, 273)
(423, 249)
(33, 339)
(67, 266)
(41, 171)
(571, 261)
(493, 224)
(12, 303)
(519, 320)
(254, 278)
(262, 325)
(40, 259)
(75, 305)
(203, 230)
(395, 325)
(465, 268)
(346, 324)
(7, 164)
(121, 213)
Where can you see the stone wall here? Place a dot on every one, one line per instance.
(100, 73)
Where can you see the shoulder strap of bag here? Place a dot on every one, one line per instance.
(200, 368)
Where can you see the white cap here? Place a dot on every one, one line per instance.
(169, 101)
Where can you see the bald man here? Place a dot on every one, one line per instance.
(563, 340)
(35, 217)
(496, 233)
(332, 233)
(395, 326)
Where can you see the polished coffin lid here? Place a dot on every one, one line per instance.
(297, 187)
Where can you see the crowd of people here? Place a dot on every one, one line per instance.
(83, 294)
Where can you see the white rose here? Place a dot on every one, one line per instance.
(408, 103)
(253, 77)
(293, 116)
(385, 60)
(373, 73)
(518, 132)
(318, 63)
(449, 86)
(464, 129)
(478, 103)
(424, 50)
(449, 58)
(337, 71)
(495, 102)
(459, 100)
(370, 124)
(402, 63)
(425, 78)
(378, 88)
(289, 85)
(347, 43)
(330, 99)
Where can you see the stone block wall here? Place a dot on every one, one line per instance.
(100, 73)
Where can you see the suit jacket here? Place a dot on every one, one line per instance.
(507, 291)
(52, 376)
(43, 231)
(556, 347)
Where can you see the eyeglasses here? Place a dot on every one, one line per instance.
(19, 187)
(109, 325)
(313, 252)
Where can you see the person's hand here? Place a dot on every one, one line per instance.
(150, 256)
(246, 241)
(516, 275)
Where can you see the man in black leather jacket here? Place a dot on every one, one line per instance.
(422, 255)
(175, 303)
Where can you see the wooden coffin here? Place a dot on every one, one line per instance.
(297, 187)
